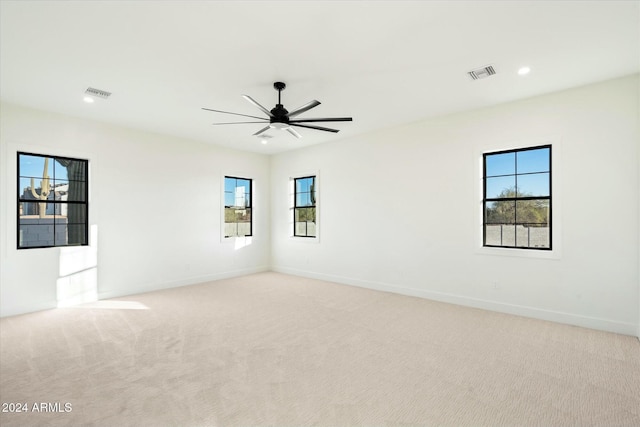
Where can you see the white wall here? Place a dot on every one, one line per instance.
(427, 175)
(155, 213)
(156, 217)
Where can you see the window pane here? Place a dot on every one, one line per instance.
(499, 187)
(72, 191)
(500, 164)
(305, 214)
(33, 234)
(518, 223)
(240, 197)
(229, 199)
(237, 201)
(502, 212)
(25, 192)
(34, 166)
(305, 211)
(532, 212)
(60, 170)
(245, 185)
(69, 169)
(71, 235)
(75, 213)
(302, 185)
(305, 222)
(536, 184)
(36, 230)
(303, 199)
(41, 181)
(237, 192)
(532, 236)
(60, 189)
(237, 222)
(533, 228)
(29, 209)
(229, 185)
(500, 235)
(533, 160)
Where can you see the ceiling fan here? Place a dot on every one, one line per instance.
(280, 118)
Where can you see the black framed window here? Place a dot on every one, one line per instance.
(237, 206)
(53, 201)
(304, 208)
(517, 198)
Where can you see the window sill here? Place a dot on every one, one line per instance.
(519, 253)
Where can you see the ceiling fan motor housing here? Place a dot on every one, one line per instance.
(280, 114)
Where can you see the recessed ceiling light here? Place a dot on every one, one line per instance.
(264, 141)
(524, 71)
(88, 99)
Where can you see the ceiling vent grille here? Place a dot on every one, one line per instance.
(97, 93)
(482, 73)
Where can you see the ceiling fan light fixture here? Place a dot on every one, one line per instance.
(278, 125)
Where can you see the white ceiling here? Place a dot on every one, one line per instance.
(384, 63)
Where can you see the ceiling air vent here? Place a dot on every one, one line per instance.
(97, 93)
(482, 73)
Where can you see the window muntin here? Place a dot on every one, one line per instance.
(304, 209)
(237, 206)
(517, 198)
(52, 201)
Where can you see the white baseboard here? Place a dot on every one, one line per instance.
(32, 308)
(147, 287)
(518, 310)
(194, 280)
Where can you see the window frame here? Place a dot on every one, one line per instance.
(314, 205)
(517, 198)
(84, 202)
(224, 207)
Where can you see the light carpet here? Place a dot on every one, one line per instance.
(276, 350)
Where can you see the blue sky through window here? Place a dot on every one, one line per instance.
(230, 192)
(303, 191)
(529, 170)
(32, 166)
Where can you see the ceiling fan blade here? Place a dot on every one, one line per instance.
(294, 133)
(334, 119)
(235, 114)
(261, 130)
(238, 123)
(305, 107)
(255, 103)
(314, 127)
